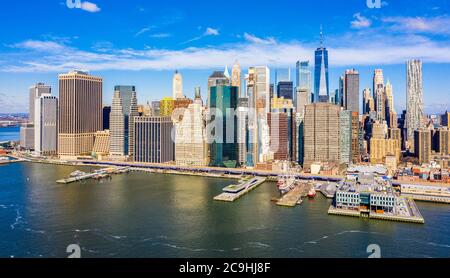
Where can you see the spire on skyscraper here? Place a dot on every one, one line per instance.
(226, 72)
(322, 37)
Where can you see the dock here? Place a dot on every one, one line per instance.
(295, 196)
(328, 190)
(408, 213)
(235, 192)
(99, 174)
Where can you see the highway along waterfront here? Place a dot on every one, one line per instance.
(143, 214)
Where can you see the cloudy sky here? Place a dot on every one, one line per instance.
(138, 42)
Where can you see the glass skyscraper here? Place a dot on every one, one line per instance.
(224, 146)
(321, 77)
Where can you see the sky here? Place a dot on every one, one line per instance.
(141, 43)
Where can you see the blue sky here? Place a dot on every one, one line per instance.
(138, 42)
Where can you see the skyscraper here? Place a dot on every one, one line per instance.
(217, 76)
(345, 123)
(177, 86)
(279, 135)
(321, 133)
(223, 143)
(236, 77)
(378, 79)
(258, 92)
(80, 112)
(35, 92)
(368, 102)
(153, 141)
(303, 75)
(117, 127)
(242, 129)
(133, 114)
(191, 147)
(352, 91)
(422, 145)
(321, 75)
(285, 89)
(46, 125)
(414, 99)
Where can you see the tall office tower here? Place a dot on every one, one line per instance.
(242, 129)
(445, 119)
(356, 154)
(322, 133)
(129, 105)
(422, 145)
(303, 98)
(304, 76)
(258, 92)
(35, 92)
(279, 132)
(391, 115)
(381, 148)
(27, 136)
(80, 112)
(236, 76)
(223, 143)
(177, 86)
(300, 130)
(106, 114)
(191, 148)
(341, 91)
(153, 141)
(46, 125)
(414, 99)
(166, 107)
(133, 114)
(321, 75)
(285, 89)
(442, 141)
(117, 127)
(402, 126)
(352, 91)
(380, 103)
(345, 124)
(367, 101)
(378, 79)
(379, 130)
(217, 76)
(396, 134)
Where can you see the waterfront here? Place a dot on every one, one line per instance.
(9, 134)
(154, 215)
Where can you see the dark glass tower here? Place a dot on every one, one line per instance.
(285, 89)
(224, 146)
(321, 77)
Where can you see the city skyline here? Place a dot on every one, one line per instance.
(147, 59)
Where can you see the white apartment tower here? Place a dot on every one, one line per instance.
(414, 99)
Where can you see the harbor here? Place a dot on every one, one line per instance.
(78, 176)
(234, 192)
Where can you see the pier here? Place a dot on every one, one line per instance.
(295, 196)
(234, 192)
(407, 212)
(99, 174)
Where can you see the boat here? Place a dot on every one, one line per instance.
(286, 184)
(312, 193)
(76, 174)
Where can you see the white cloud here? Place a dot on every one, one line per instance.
(90, 7)
(370, 49)
(211, 32)
(254, 39)
(360, 21)
(431, 25)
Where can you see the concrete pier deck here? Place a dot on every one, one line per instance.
(294, 197)
(244, 187)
